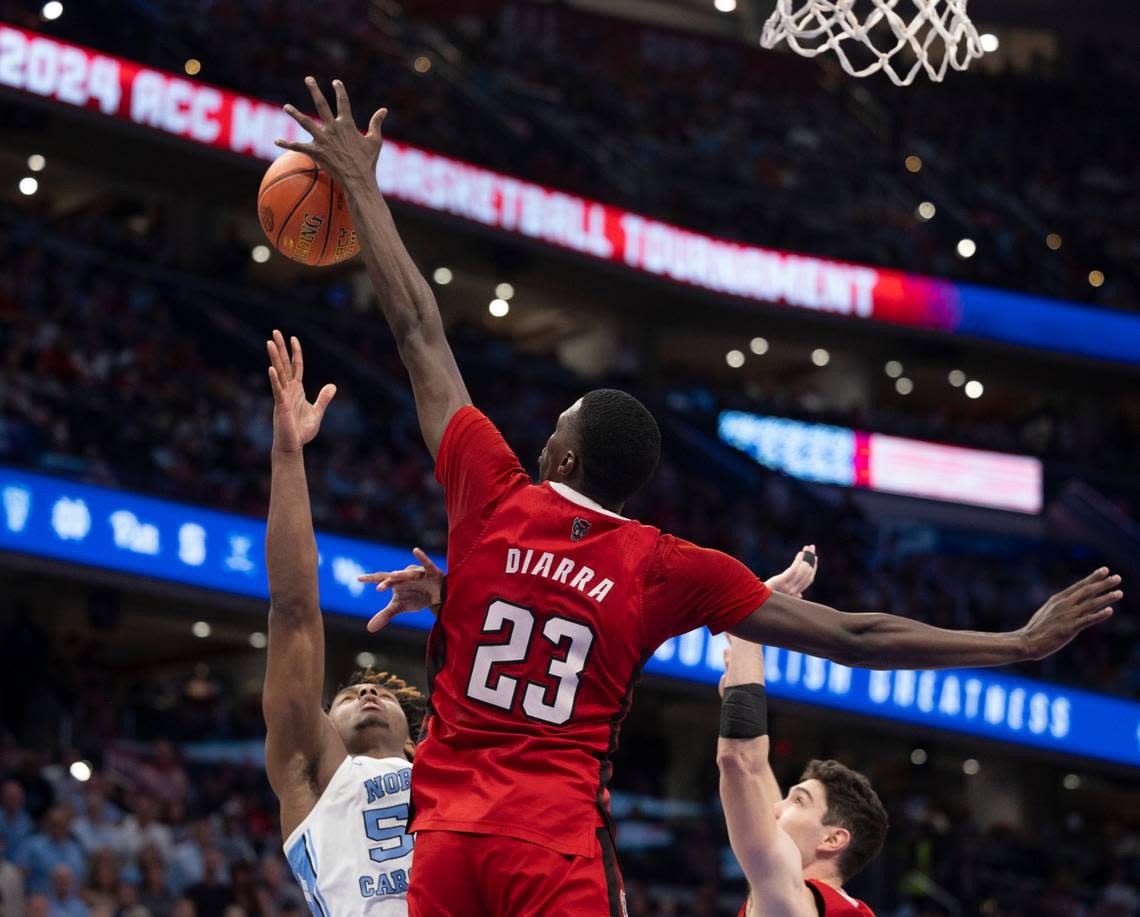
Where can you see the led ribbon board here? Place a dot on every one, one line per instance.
(126, 533)
(200, 113)
(888, 464)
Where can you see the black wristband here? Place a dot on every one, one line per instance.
(743, 712)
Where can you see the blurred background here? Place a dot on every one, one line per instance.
(901, 324)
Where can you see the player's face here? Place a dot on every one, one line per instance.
(800, 814)
(359, 711)
(560, 442)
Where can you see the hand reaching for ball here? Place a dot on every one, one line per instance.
(337, 145)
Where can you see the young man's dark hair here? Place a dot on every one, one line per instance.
(620, 444)
(852, 804)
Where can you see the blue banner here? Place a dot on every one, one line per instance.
(114, 530)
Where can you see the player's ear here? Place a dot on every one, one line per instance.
(568, 464)
(409, 749)
(836, 840)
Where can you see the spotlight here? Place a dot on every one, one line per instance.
(724, 6)
(970, 767)
(974, 389)
(499, 307)
(966, 248)
(81, 771)
(258, 640)
(29, 186)
(734, 358)
(260, 253)
(192, 67)
(442, 276)
(504, 291)
(820, 357)
(36, 162)
(201, 630)
(990, 42)
(1096, 279)
(904, 386)
(913, 163)
(758, 346)
(926, 211)
(365, 659)
(422, 64)
(53, 9)
(1053, 241)
(894, 369)
(956, 378)
(918, 756)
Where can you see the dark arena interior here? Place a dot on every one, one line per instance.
(899, 324)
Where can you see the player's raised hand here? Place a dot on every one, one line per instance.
(1066, 614)
(337, 144)
(416, 586)
(295, 420)
(800, 574)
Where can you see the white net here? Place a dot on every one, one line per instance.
(899, 37)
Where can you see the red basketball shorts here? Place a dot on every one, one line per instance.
(483, 875)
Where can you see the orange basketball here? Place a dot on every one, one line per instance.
(304, 213)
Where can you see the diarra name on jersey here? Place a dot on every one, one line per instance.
(522, 561)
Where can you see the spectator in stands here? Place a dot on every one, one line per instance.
(143, 829)
(277, 889)
(102, 890)
(188, 860)
(11, 884)
(63, 899)
(154, 890)
(53, 846)
(95, 829)
(212, 895)
(15, 822)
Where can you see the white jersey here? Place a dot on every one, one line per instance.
(350, 854)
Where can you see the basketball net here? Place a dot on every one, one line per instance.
(939, 35)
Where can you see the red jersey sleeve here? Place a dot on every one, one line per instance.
(688, 586)
(475, 467)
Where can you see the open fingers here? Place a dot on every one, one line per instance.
(427, 562)
(324, 398)
(376, 121)
(277, 361)
(343, 107)
(275, 384)
(381, 618)
(319, 102)
(306, 123)
(296, 146)
(285, 366)
(1094, 577)
(298, 359)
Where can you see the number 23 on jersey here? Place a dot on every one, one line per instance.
(566, 643)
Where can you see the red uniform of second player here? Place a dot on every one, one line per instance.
(554, 604)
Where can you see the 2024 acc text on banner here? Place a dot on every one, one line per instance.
(127, 533)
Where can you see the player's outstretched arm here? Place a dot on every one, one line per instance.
(405, 297)
(749, 792)
(301, 745)
(884, 641)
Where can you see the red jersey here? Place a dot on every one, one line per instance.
(830, 902)
(553, 606)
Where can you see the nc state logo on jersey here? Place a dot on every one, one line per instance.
(579, 528)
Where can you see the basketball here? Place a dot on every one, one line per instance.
(304, 214)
